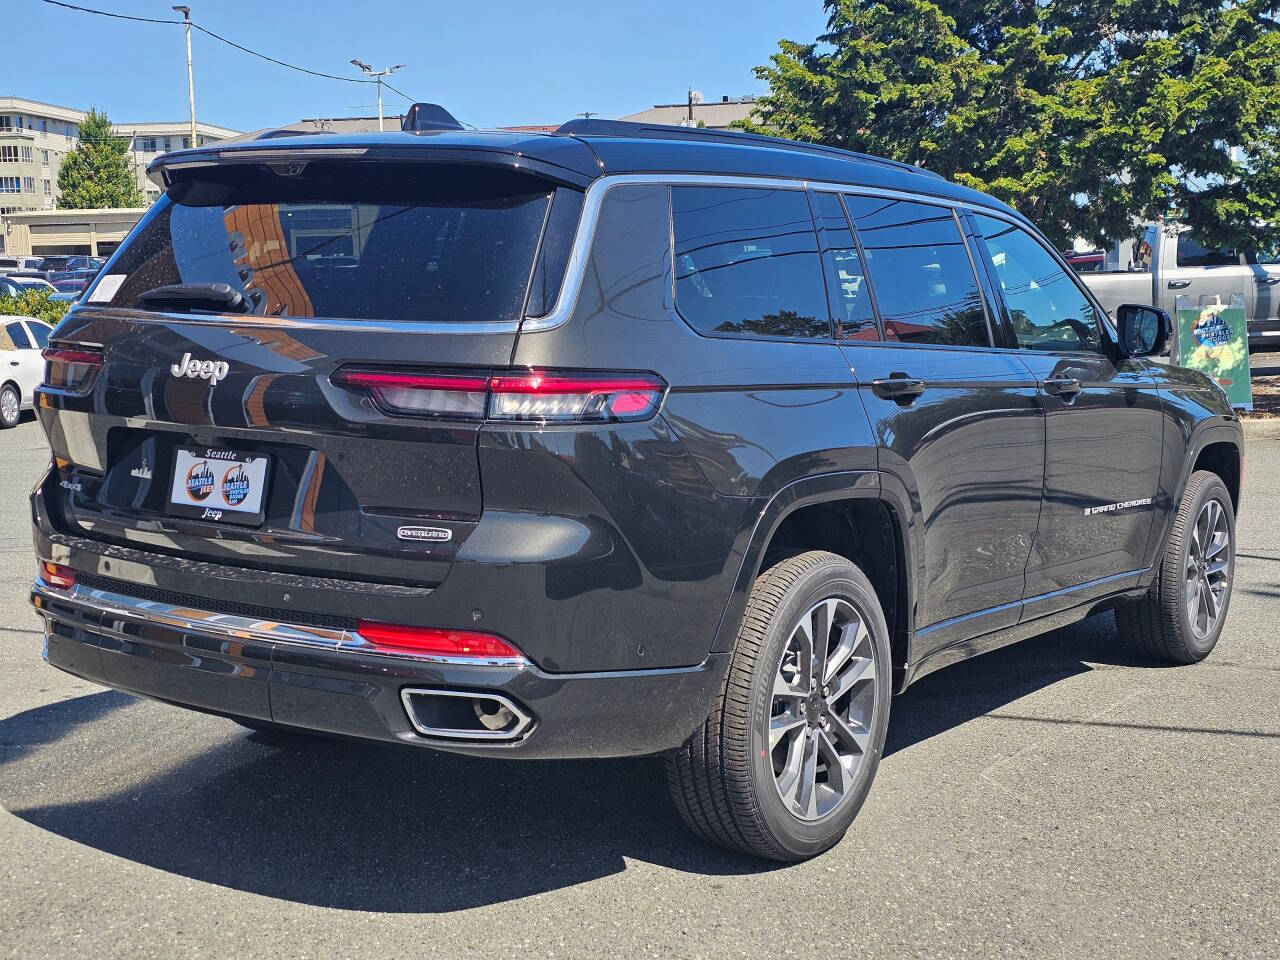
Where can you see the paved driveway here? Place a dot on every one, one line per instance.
(1054, 798)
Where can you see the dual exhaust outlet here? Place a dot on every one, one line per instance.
(462, 715)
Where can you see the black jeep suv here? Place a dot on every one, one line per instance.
(609, 441)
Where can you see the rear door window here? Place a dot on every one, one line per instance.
(17, 335)
(920, 270)
(39, 333)
(384, 243)
(1192, 254)
(746, 262)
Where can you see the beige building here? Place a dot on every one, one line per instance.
(35, 137)
(52, 232)
(713, 114)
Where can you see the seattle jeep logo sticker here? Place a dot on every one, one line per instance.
(211, 370)
(437, 534)
(199, 480)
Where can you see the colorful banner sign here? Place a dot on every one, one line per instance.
(1214, 339)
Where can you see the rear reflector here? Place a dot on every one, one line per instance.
(70, 371)
(526, 396)
(57, 575)
(438, 642)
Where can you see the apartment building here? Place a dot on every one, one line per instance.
(35, 137)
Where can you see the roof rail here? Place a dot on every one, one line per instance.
(656, 131)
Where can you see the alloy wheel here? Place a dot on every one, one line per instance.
(1208, 556)
(819, 724)
(8, 406)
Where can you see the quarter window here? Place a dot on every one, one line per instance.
(746, 262)
(920, 268)
(1047, 309)
(40, 334)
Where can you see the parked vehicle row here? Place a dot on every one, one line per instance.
(614, 441)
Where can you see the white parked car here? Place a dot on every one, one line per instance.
(21, 365)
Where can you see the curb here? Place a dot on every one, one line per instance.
(1263, 428)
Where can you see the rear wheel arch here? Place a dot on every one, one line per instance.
(846, 514)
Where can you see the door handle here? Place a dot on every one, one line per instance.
(1268, 281)
(1179, 284)
(13, 363)
(1064, 387)
(898, 387)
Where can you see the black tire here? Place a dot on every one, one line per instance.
(723, 778)
(1159, 625)
(10, 392)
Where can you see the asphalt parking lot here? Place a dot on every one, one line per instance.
(1056, 798)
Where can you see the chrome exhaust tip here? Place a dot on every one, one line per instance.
(463, 715)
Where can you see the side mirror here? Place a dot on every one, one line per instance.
(1144, 329)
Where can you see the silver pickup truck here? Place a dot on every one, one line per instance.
(1167, 262)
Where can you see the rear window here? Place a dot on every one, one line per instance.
(384, 242)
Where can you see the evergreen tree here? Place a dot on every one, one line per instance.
(98, 172)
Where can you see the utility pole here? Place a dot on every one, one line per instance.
(377, 75)
(191, 86)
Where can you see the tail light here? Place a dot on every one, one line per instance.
(70, 370)
(434, 641)
(536, 397)
(57, 575)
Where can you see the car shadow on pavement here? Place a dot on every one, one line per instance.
(361, 827)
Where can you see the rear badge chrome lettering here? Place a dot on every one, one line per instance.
(1122, 505)
(433, 534)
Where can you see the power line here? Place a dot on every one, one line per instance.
(219, 37)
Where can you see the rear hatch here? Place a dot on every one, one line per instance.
(213, 428)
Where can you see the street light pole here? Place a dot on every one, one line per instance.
(191, 86)
(377, 75)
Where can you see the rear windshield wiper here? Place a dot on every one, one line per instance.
(209, 296)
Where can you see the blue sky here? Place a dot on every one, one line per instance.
(491, 63)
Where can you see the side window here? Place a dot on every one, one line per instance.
(18, 335)
(921, 272)
(1192, 254)
(1048, 310)
(746, 261)
(39, 333)
(848, 292)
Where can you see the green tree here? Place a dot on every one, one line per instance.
(1083, 114)
(98, 172)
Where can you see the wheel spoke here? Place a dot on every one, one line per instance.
(782, 727)
(837, 773)
(860, 670)
(1210, 603)
(804, 661)
(846, 734)
(804, 794)
(851, 637)
(824, 616)
(784, 690)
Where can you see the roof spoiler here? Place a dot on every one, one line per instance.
(429, 116)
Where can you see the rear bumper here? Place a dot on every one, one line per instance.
(322, 679)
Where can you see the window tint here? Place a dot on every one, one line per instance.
(847, 289)
(40, 334)
(921, 272)
(746, 261)
(1048, 311)
(392, 244)
(1192, 254)
(17, 335)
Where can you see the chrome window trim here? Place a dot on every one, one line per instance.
(575, 269)
(105, 603)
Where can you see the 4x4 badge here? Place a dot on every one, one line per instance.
(437, 534)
